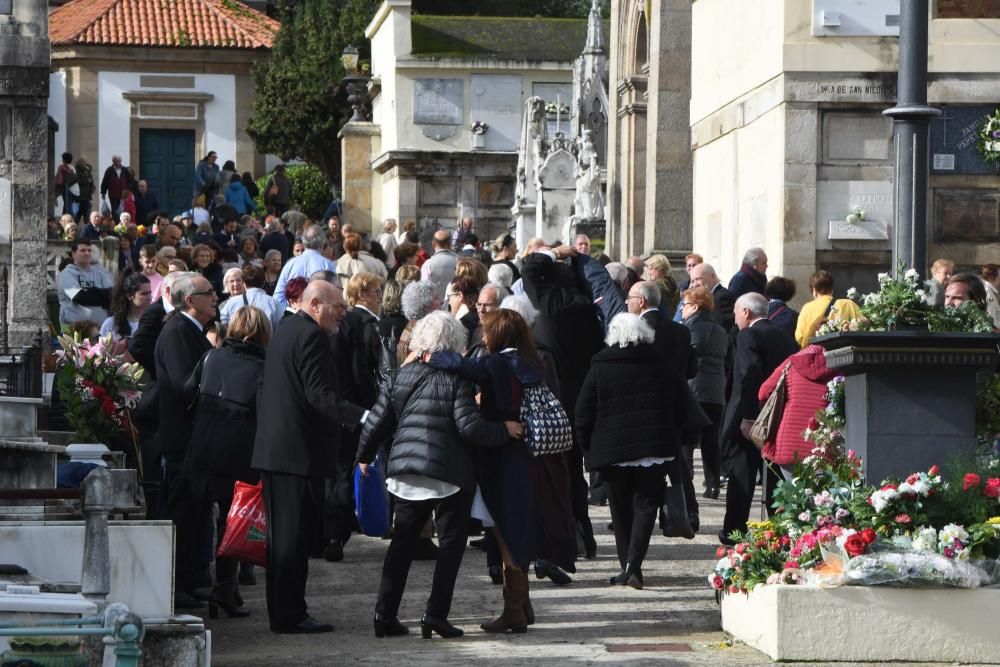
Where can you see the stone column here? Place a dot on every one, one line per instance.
(669, 181)
(24, 163)
(357, 143)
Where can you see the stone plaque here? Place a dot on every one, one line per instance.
(496, 193)
(438, 101)
(558, 172)
(6, 211)
(966, 215)
(439, 192)
(496, 101)
(856, 137)
(865, 230)
(872, 88)
(954, 134)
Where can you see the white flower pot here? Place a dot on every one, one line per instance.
(478, 141)
(87, 453)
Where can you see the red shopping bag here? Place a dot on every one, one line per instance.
(246, 526)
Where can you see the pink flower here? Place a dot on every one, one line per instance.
(902, 518)
(992, 488)
(718, 583)
(791, 564)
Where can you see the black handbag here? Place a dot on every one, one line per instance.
(673, 513)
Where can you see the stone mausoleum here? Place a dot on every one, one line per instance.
(434, 77)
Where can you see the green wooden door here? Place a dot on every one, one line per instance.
(166, 161)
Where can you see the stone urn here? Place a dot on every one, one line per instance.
(910, 396)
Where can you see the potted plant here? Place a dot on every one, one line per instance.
(479, 130)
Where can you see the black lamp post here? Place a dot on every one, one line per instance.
(911, 119)
(355, 83)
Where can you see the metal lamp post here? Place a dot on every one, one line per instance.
(355, 83)
(911, 119)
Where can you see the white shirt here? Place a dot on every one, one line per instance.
(196, 322)
(419, 487)
(644, 462)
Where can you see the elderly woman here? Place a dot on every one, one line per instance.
(293, 293)
(250, 251)
(433, 422)
(272, 270)
(501, 274)
(628, 418)
(223, 388)
(711, 344)
(205, 263)
(658, 270)
(419, 299)
(387, 239)
(356, 260)
(245, 288)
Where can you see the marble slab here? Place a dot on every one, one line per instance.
(40, 608)
(142, 564)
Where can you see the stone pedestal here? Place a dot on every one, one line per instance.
(910, 396)
(358, 143)
(866, 624)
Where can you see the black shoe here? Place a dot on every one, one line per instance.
(635, 580)
(334, 552)
(723, 481)
(307, 626)
(425, 549)
(711, 492)
(478, 544)
(611, 526)
(248, 575)
(225, 598)
(389, 626)
(628, 577)
(544, 568)
(694, 521)
(620, 579)
(430, 625)
(496, 574)
(725, 541)
(184, 600)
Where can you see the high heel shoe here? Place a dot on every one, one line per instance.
(389, 626)
(430, 625)
(226, 600)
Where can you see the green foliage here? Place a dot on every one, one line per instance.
(310, 190)
(297, 112)
(988, 409)
(961, 501)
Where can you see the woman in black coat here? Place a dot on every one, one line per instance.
(711, 345)
(223, 387)
(433, 422)
(628, 421)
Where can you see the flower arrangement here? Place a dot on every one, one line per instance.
(99, 386)
(856, 215)
(553, 108)
(901, 303)
(988, 141)
(829, 528)
(480, 128)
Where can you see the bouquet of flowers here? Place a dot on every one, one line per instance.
(988, 141)
(480, 128)
(99, 386)
(552, 108)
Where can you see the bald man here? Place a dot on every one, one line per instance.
(298, 433)
(440, 268)
(704, 275)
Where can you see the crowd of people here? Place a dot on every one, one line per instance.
(291, 352)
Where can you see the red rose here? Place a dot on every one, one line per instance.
(855, 545)
(813, 424)
(992, 488)
(970, 480)
(933, 471)
(740, 548)
(868, 535)
(720, 552)
(718, 583)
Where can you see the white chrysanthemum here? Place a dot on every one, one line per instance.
(921, 487)
(853, 294)
(912, 275)
(952, 532)
(883, 278)
(925, 539)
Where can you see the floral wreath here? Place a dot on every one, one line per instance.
(988, 141)
(480, 128)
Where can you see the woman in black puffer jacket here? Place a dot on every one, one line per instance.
(223, 387)
(433, 422)
(629, 417)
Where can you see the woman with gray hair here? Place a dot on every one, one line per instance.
(631, 433)
(431, 418)
(387, 239)
(419, 300)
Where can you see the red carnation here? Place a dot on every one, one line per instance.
(855, 545)
(868, 535)
(992, 488)
(970, 480)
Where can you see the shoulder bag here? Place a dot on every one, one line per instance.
(765, 427)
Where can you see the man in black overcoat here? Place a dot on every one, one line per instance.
(298, 429)
(178, 348)
(760, 348)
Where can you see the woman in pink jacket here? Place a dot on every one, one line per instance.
(805, 395)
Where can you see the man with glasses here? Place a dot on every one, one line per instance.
(179, 347)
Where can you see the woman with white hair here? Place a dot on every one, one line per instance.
(431, 418)
(631, 433)
(245, 288)
(387, 239)
(419, 300)
(501, 274)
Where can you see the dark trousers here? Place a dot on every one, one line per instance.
(339, 520)
(453, 531)
(191, 527)
(709, 443)
(634, 494)
(744, 463)
(580, 492)
(83, 213)
(290, 506)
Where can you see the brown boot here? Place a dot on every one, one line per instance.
(515, 595)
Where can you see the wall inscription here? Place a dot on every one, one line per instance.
(438, 101)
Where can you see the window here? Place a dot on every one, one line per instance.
(6, 6)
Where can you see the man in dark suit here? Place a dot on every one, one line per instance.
(673, 340)
(760, 348)
(752, 276)
(179, 347)
(704, 275)
(298, 432)
(568, 323)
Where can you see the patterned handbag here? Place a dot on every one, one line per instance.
(546, 427)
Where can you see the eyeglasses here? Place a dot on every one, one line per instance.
(630, 297)
(448, 295)
(203, 292)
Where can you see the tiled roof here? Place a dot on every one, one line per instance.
(227, 24)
